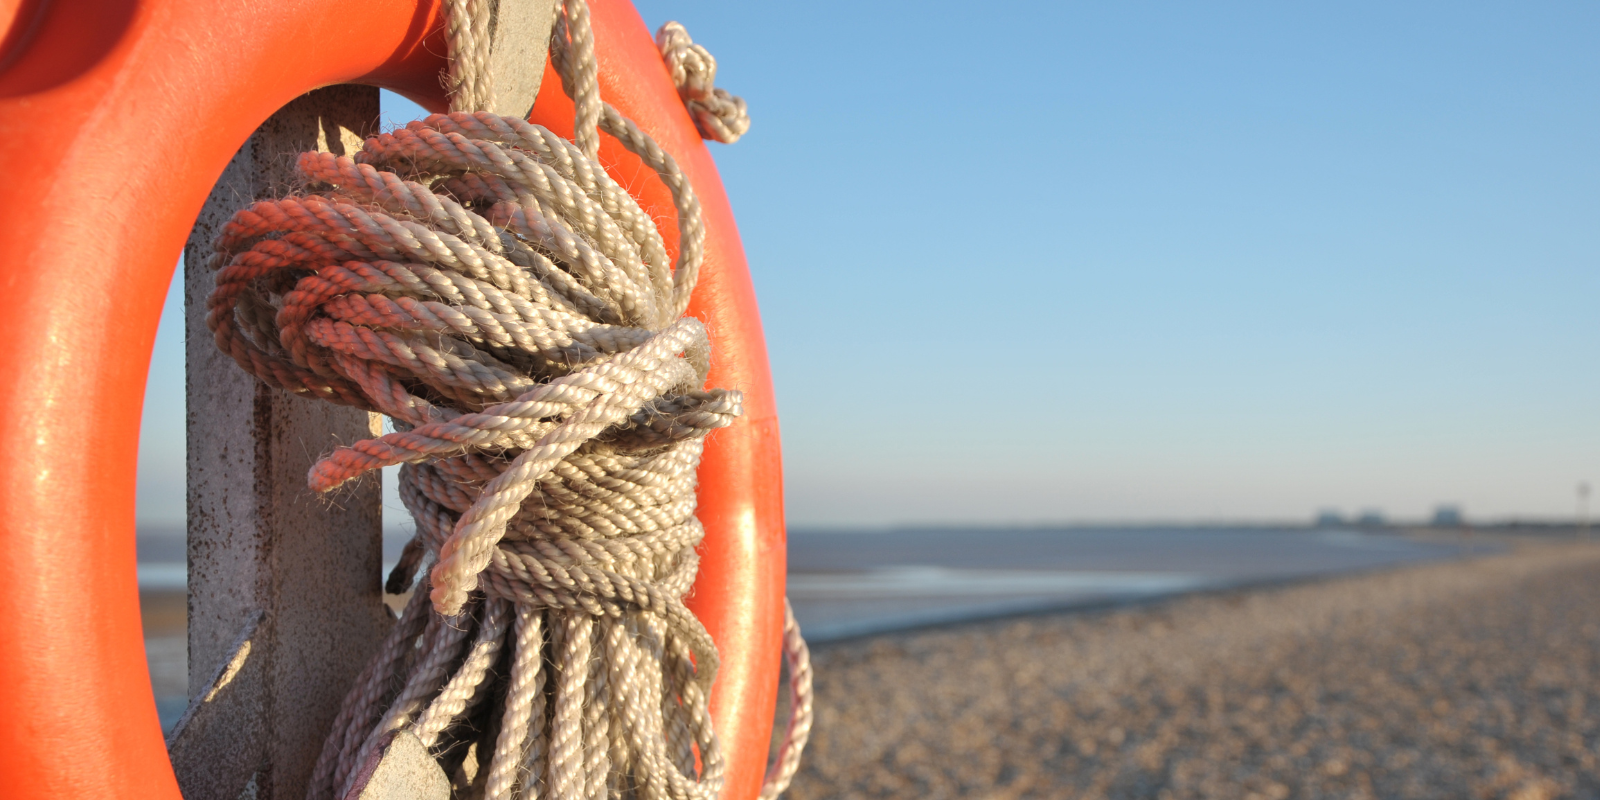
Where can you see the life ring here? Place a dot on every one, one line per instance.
(116, 117)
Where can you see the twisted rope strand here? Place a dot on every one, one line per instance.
(718, 115)
(486, 284)
(797, 659)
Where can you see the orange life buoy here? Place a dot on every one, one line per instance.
(116, 117)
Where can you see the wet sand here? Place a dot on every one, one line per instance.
(1476, 679)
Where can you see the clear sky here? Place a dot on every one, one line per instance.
(1037, 262)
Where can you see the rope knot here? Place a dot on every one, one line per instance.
(516, 314)
(718, 115)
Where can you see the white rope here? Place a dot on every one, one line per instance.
(469, 81)
(797, 661)
(515, 313)
(718, 115)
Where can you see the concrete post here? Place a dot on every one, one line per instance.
(285, 602)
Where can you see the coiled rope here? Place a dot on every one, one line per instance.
(514, 312)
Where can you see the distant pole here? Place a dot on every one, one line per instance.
(1583, 510)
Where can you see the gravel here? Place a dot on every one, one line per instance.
(1475, 679)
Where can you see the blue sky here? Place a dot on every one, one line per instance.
(1136, 261)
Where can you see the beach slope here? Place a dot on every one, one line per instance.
(1472, 679)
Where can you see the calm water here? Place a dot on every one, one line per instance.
(856, 583)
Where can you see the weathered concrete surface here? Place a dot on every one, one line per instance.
(259, 541)
(405, 770)
(519, 41)
(210, 743)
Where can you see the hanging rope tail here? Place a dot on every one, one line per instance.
(718, 115)
(514, 312)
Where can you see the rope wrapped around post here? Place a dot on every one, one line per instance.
(514, 312)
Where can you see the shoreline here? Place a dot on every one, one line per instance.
(1473, 678)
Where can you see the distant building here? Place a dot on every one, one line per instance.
(1447, 517)
(1371, 518)
(1328, 518)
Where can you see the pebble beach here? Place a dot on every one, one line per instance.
(1470, 679)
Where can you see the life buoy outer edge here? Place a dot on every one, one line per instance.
(116, 117)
